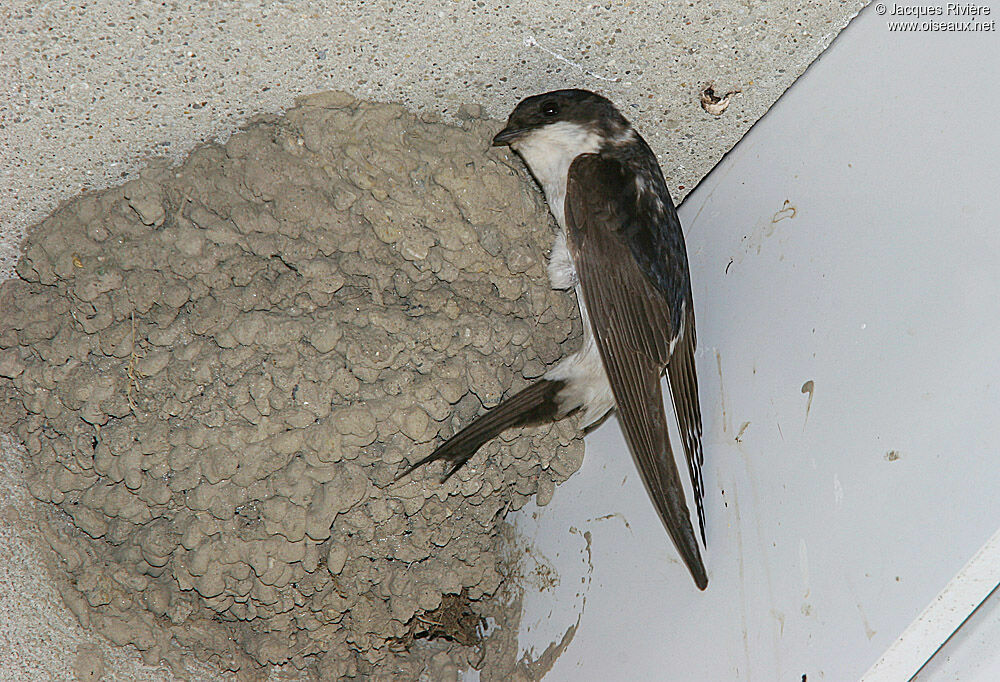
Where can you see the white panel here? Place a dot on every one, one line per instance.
(834, 517)
(952, 629)
(972, 654)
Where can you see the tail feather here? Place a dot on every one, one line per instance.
(535, 404)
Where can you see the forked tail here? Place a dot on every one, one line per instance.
(536, 404)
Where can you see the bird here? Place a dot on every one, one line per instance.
(621, 247)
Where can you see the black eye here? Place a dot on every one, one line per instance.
(550, 109)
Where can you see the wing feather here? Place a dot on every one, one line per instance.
(631, 321)
(684, 396)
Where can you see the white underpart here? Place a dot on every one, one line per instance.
(587, 385)
(562, 272)
(549, 151)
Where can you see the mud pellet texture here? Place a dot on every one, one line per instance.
(219, 368)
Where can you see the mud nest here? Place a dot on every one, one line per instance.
(218, 369)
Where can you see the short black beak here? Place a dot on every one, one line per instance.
(506, 136)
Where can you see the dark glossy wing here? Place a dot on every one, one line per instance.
(633, 323)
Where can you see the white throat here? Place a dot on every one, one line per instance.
(549, 151)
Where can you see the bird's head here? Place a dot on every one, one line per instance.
(568, 119)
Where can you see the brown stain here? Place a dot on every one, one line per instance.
(743, 427)
(529, 668)
(542, 573)
(786, 211)
(613, 515)
(869, 632)
(589, 539)
(741, 573)
(808, 388)
(722, 392)
(536, 669)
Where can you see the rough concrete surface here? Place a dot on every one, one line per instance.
(93, 89)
